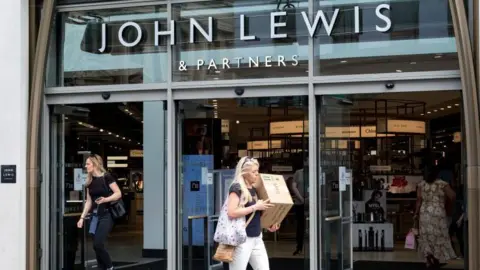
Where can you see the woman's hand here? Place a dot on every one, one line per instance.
(80, 223)
(262, 205)
(274, 228)
(101, 200)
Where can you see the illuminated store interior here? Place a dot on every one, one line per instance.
(383, 141)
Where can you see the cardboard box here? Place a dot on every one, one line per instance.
(274, 187)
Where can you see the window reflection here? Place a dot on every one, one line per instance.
(236, 41)
(93, 53)
(417, 40)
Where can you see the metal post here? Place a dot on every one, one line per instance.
(190, 248)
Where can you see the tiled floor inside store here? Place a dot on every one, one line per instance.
(126, 248)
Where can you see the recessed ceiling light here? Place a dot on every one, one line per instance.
(101, 130)
(109, 133)
(422, 114)
(238, 122)
(343, 61)
(442, 109)
(435, 110)
(413, 63)
(449, 107)
(399, 70)
(429, 112)
(438, 56)
(457, 104)
(123, 138)
(117, 136)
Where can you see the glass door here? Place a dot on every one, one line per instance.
(337, 153)
(199, 154)
(68, 196)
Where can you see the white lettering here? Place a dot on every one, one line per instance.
(357, 19)
(388, 22)
(268, 61)
(195, 25)
(274, 25)
(212, 64)
(139, 34)
(104, 38)
(200, 63)
(251, 61)
(242, 30)
(170, 33)
(225, 63)
(281, 60)
(295, 61)
(329, 25)
(311, 28)
(238, 61)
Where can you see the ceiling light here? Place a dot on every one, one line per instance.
(399, 70)
(123, 138)
(413, 63)
(109, 133)
(441, 109)
(101, 130)
(238, 122)
(457, 104)
(429, 112)
(422, 114)
(117, 136)
(343, 61)
(438, 56)
(449, 107)
(435, 110)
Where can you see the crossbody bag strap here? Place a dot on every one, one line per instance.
(107, 188)
(250, 218)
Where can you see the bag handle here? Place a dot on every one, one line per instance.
(250, 218)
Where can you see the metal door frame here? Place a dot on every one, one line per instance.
(438, 81)
(49, 157)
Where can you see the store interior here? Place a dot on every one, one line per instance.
(384, 140)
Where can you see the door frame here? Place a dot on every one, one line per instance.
(421, 84)
(215, 90)
(49, 158)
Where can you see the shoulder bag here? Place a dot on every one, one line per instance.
(116, 208)
(229, 234)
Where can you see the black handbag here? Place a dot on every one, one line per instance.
(116, 208)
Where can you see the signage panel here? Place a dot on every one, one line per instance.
(342, 132)
(263, 145)
(289, 127)
(406, 126)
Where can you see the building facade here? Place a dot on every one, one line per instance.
(163, 53)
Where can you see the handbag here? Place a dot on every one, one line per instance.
(117, 208)
(224, 253)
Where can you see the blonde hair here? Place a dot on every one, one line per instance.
(97, 162)
(244, 166)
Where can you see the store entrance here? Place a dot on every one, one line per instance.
(375, 151)
(213, 134)
(130, 139)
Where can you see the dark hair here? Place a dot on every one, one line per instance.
(432, 174)
(375, 193)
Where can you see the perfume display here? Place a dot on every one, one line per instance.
(370, 237)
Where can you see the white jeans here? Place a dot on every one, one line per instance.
(252, 251)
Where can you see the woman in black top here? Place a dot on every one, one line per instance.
(242, 202)
(101, 189)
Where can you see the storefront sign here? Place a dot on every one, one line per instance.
(289, 127)
(130, 34)
(401, 126)
(136, 153)
(263, 145)
(342, 132)
(8, 174)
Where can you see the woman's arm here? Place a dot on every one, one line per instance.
(419, 201)
(88, 205)
(117, 194)
(296, 192)
(233, 210)
(451, 196)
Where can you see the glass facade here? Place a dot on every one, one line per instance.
(195, 44)
(95, 47)
(244, 39)
(358, 37)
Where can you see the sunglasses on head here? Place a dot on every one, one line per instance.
(248, 159)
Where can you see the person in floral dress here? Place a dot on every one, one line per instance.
(433, 240)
